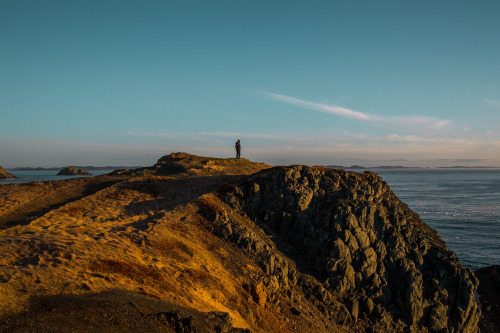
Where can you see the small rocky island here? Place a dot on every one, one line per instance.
(5, 175)
(73, 171)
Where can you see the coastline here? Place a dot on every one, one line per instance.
(192, 226)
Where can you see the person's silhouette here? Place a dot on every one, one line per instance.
(238, 149)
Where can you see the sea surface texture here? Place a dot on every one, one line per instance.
(39, 176)
(462, 205)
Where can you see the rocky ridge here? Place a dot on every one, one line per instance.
(362, 256)
(192, 165)
(4, 174)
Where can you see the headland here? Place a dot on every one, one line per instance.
(225, 245)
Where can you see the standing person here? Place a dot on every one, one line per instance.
(238, 148)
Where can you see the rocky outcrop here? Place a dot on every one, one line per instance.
(72, 171)
(358, 254)
(199, 165)
(6, 175)
(281, 284)
(184, 164)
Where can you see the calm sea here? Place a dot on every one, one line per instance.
(462, 205)
(37, 176)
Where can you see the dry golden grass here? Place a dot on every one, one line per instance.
(202, 166)
(142, 235)
(18, 201)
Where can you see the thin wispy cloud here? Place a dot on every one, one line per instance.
(420, 122)
(204, 136)
(336, 110)
(150, 134)
(492, 102)
(245, 135)
(412, 139)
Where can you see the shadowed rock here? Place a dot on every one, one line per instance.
(489, 298)
(113, 311)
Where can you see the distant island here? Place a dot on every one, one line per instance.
(91, 168)
(73, 171)
(352, 167)
(390, 167)
(366, 168)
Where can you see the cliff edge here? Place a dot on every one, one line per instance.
(369, 253)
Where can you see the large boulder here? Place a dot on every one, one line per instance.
(367, 248)
(5, 175)
(73, 171)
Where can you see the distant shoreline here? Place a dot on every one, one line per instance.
(352, 167)
(389, 167)
(89, 168)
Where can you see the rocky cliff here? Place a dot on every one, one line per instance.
(5, 175)
(72, 171)
(362, 256)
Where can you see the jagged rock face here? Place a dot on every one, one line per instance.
(72, 171)
(5, 175)
(369, 250)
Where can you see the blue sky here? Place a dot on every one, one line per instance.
(413, 83)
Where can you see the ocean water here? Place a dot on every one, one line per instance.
(462, 205)
(38, 176)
